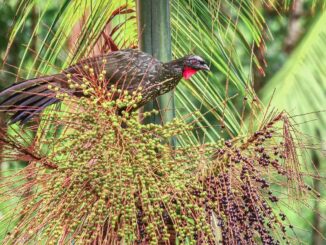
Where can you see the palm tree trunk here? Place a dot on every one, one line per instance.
(155, 39)
(317, 239)
(294, 27)
(2, 125)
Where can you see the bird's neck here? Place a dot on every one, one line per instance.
(175, 67)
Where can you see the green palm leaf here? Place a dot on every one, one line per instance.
(300, 86)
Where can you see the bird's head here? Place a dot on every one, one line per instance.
(192, 64)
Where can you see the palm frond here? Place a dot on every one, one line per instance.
(300, 86)
(94, 16)
(220, 31)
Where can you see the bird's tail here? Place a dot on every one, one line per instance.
(28, 98)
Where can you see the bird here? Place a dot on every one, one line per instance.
(127, 70)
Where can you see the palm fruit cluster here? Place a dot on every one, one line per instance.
(100, 176)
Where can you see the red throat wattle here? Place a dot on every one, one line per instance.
(188, 72)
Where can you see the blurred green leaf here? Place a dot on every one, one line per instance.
(300, 86)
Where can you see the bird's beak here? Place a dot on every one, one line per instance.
(205, 68)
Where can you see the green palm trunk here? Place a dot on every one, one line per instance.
(155, 39)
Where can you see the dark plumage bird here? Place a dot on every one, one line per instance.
(126, 69)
